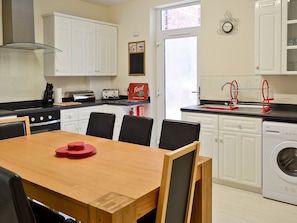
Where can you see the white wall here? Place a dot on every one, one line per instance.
(21, 74)
(223, 58)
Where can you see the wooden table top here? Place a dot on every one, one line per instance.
(128, 169)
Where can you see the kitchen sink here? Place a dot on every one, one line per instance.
(217, 107)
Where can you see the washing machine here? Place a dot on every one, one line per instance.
(280, 161)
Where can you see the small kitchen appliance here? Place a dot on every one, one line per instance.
(81, 96)
(110, 94)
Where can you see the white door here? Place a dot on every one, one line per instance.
(177, 60)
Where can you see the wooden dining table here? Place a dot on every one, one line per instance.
(118, 184)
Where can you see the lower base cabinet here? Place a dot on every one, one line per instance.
(76, 119)
(235, 145)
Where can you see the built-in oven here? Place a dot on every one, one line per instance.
(42, 120)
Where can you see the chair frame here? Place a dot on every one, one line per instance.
(24, 119)
(166, 180)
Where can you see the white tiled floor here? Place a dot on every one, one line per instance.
(232, 205)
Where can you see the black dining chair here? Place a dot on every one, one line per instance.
(14, 127)
(177, 186)
(15, 207)
(176, 133)
(135, 129)
(101, 125)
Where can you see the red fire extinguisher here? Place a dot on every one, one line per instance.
(140, 110)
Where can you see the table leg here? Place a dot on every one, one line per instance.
(202, 204)
(112, 208)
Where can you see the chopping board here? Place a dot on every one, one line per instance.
(67, 103)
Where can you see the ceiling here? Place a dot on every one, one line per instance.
(107, 2)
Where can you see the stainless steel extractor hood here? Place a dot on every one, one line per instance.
(18, 27)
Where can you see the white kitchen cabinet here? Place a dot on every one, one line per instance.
(89, 47)
(275, 37)
(106, 50)
(83, 52)
(76, 119)
(235, 145)
(240, 150)
(209, 136)
(289, 37)
(268, 37)
(57, 32)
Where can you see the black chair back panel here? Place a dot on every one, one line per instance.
(179, 190)
(10, 130)
(14, 205)
(101, 125)
(176, 134)
(136, 130)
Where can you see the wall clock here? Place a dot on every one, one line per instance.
(227, 27)
(228, 24)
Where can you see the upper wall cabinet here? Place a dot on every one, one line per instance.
(89, 48)
(268, 37)
(276, 37)
(106, 50)
(289, 36)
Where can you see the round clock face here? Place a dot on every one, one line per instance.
(227, 27)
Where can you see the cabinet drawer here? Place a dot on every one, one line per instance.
(68, 115)
(84, 113)
(205, 120)
(240, 124)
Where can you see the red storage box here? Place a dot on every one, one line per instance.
(138, 91)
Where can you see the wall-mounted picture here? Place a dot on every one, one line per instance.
(136, 58)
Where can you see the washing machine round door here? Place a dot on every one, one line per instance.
(283, 160)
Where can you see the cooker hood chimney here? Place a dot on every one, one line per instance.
(18, 27)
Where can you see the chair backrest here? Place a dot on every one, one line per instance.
(14, 127)
(136, 130)
(175, 133)
(14, 205)
(101, 125)
(177, 185)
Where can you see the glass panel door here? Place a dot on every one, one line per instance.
(180, 75)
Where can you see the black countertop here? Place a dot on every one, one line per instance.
(20, 108)
(278, 112)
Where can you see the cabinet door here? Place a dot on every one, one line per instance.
(251, 160)
(289, 37)
(208, 136)
(268, 37)
(83, 41)
(106, 50)
(229, 156)
(84, 116)
(70, 126)
(69, 119)
(57, 32)
(209, 147)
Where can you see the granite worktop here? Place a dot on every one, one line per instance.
(24, 107)
(278, 112)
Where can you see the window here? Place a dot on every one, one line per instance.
(181, 17)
